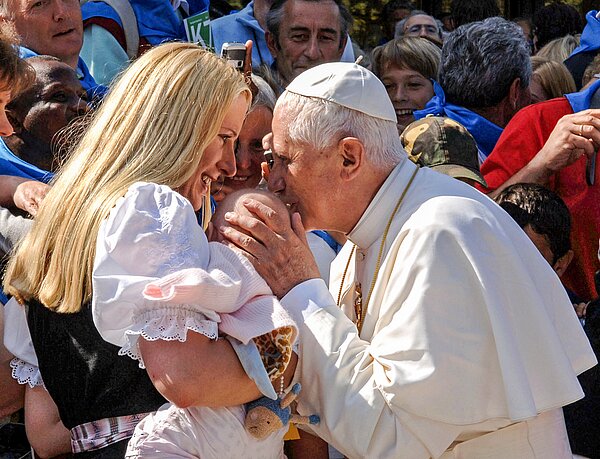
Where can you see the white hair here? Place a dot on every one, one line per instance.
(320, 124)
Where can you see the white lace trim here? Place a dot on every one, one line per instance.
(26, 373)
(168, 324)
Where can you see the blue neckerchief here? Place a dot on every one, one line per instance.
(485, 132)
(93, 89)
(156, 20)
(581, 100)
(15, 166)
(590, 38)
(331, 242)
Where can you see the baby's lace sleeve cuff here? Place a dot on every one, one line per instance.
(169, 324)
(26, 373)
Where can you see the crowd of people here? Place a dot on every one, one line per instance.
(404, 239)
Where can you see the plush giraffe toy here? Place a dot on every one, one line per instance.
(265, 416)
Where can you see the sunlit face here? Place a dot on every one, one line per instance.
(54, 100)
(249, 153)
(218, 158)
(408, 90)
(6, 128)
(309, 35)
(421, 25)
(50, 104)
(301, 176)
(52, 27)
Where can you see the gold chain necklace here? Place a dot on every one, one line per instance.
(360, 308)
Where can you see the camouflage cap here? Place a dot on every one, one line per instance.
(444, 145)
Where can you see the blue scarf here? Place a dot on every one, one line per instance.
(93, 89)
(590, 38)
(156, 20)
(15, 166)
(581, 100)
(331, 242)
(485, 132)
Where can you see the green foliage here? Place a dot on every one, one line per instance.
(367, 24)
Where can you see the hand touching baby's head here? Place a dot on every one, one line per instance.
(234, 202)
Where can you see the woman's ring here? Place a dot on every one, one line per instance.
(581, 130)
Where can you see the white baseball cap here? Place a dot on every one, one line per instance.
(346, 84)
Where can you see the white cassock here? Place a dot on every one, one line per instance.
(469, 348)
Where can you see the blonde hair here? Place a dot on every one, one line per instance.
(554, 77)
(153, 127)
(559, 48)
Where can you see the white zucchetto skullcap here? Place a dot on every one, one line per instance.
(349, 85)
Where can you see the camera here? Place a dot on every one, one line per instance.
(235, 54)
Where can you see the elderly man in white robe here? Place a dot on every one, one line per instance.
(446, 334)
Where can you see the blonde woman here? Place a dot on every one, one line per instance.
(559, 48)
(122, 213)
(549, 80)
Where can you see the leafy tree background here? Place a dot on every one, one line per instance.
(367, 24)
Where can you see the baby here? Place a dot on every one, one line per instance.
(230, 292)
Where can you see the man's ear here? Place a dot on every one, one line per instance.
(272, 43)
(352, 152)
(514, 93)
(563, 263)
(15, 123)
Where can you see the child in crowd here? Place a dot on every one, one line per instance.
(229, 292)
(545, 218)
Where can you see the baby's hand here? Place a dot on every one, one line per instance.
(29, 195)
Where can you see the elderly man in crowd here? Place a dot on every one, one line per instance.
(420, 24)
(483, 79)
(53, 28)
(430, 344)
(54, 100)
(37, 114)
(250, 23)
(304, 33)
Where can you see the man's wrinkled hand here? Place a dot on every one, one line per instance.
(275, 245)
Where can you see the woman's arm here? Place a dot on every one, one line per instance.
(45, 431)
(201, 372)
